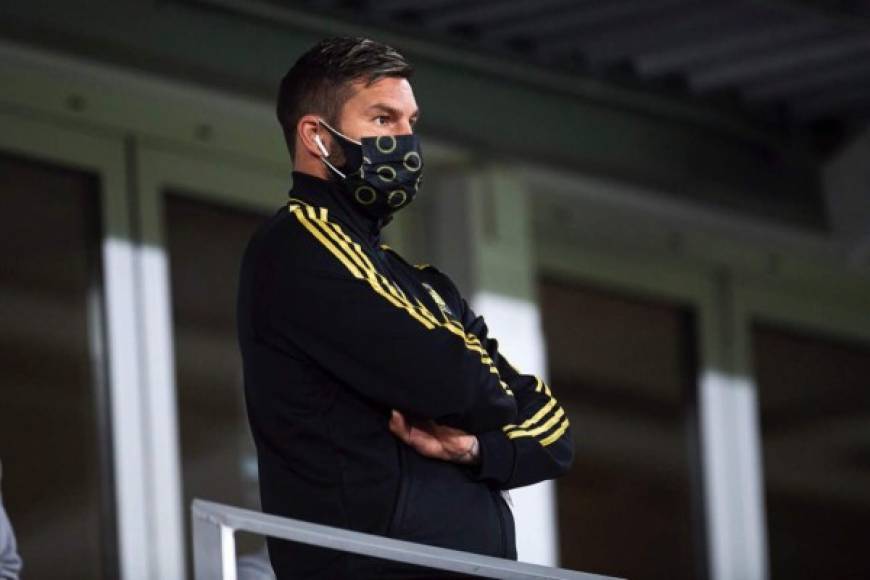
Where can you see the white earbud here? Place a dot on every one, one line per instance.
(320, 145)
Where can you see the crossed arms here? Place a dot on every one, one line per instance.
(457, 398)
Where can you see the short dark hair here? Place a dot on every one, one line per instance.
(320, 81)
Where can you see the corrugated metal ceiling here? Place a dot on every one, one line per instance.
(788, 64)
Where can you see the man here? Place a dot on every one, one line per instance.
(10, 561)
(376, 399)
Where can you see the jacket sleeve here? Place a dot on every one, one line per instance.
(535, 447)
(317, 293)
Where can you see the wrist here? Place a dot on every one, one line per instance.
(497, 459)
(471, 454)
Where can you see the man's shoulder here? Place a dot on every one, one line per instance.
(302, 238)
(290, 229)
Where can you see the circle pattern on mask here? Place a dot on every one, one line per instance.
(386, 143)
(386, 173)
(396, 198)
(412, 161)
(365, 195)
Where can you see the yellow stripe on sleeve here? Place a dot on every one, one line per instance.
(317, 234)
(540, 429)
(321, 235)
(377, 281)
(471, 341)
(537, 416)
(350, 254)
(355, 249)
(532, 427)
(556, 434)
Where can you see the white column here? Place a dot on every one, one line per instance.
(731, 443)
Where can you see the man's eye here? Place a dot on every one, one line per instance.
(381, 119)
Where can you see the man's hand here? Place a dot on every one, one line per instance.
(436, 441)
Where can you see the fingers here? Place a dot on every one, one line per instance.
(416, 436)
(433, 440)
(400, 426)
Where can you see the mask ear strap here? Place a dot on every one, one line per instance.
(337, 132)
(334, 168)
(320, 145)
(322, 148)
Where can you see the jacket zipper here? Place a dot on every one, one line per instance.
(398, 513)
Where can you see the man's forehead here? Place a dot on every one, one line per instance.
(388, 93)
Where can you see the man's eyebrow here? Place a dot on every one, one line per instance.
(392, 110)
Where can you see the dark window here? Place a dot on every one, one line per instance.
(624, 371)
(55, 440)
(815, 421)
(219, 462)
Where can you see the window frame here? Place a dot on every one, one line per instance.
(117, 346)
(723, 402)
(836, 311)
(214, 179)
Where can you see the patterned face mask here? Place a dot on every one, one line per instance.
(380, 174)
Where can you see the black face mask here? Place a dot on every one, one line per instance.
(380, 174)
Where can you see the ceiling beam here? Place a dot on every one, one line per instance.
(755, 38)
(826, 50)
(579, 17)
(803, 81)
(491, 13)
(679, 26)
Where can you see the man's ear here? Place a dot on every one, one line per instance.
(306, 130)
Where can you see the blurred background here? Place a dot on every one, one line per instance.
(661, 205)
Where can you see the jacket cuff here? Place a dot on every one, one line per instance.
(497, 457)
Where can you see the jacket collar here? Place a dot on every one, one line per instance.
(324, 193)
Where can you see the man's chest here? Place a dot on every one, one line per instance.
(418, 285)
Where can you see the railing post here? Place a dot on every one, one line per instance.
(214, 548)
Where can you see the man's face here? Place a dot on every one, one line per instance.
(387, 107)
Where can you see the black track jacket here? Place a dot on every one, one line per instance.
(336, 330)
